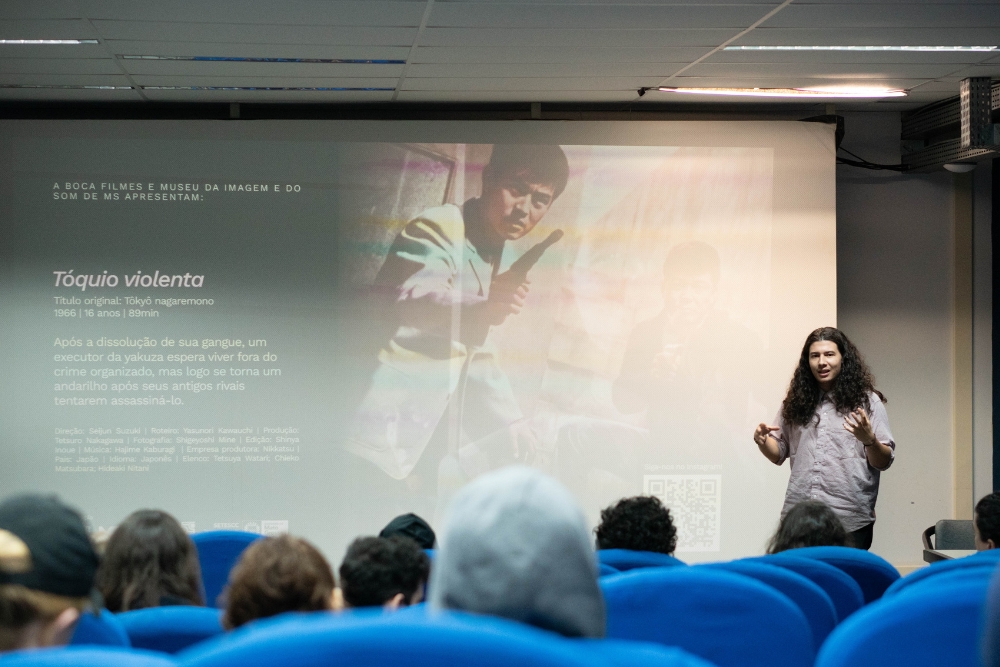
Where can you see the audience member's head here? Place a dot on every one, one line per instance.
(384, 571)
(641, 523)
(413, 527)
(275, 575)
(47, 568)
(149, 561)
(986, 523)
(808, 524)
(515, 544)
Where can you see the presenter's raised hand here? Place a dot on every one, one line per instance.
(762, 432)
(768, 445)
(861, 427)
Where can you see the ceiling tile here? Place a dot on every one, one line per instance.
(534, 70)
(254, 33)
(274, 70)
(558, 37)
(536, 16)
(555, 54)
(887, 15)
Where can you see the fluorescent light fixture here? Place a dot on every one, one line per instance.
(62, 87)
(826, 92)
(243, 59)
(930, 49)
(266, 88)
(48, 41)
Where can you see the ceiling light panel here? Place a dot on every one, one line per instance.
(869, 49)
(47, 42)
(857, 92)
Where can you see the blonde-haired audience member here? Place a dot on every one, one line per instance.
(47, 568)
(276, 575)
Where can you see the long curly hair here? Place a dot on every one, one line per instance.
(851, 389)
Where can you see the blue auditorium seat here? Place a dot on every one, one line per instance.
(873, 573)
(626, 559)
(171, 629)
(844, 591)
(622, 653)
(810, 598)
(947, 567)
(603, 569)
(726, 618)
(989, 645)
(921, 627)
(86, 656)
(218, 551)
(102, 629)
(322, 639)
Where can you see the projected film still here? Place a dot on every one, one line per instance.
(312, 328)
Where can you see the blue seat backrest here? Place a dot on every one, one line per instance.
(711, 613)
(218, 551)
(948, 567)
(844, 591)
(873, 573)
(918, 628)
(102, 629)
(322, 639)
(603, 570)
(171, 629)
(87, 656)
(624, 653)
(626, 559)
(810, 598)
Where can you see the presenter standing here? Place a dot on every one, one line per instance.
(834, 429)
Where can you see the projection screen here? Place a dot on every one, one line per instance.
(315, 326)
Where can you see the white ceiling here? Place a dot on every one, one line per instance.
(488, 50)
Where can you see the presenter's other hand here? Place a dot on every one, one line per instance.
(860, 427)
(762, 432)
(507, 294)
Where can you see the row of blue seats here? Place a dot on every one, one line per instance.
(778, 609)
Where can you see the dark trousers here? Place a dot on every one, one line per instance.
(862, 537)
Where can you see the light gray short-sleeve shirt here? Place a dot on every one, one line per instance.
(829, 464)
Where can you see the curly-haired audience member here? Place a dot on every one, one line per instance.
(275, 575)
(384, 571)
(834, 429)
(986, 524)
(149, 561)
(641, 523)
(808, 524)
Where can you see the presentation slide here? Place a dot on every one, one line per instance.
(312, 327)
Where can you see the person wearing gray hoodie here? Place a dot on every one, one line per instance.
(515, 544)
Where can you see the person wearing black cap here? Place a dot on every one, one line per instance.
(413, 527)
(47, 568)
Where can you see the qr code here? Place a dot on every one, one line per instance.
(695, 503)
